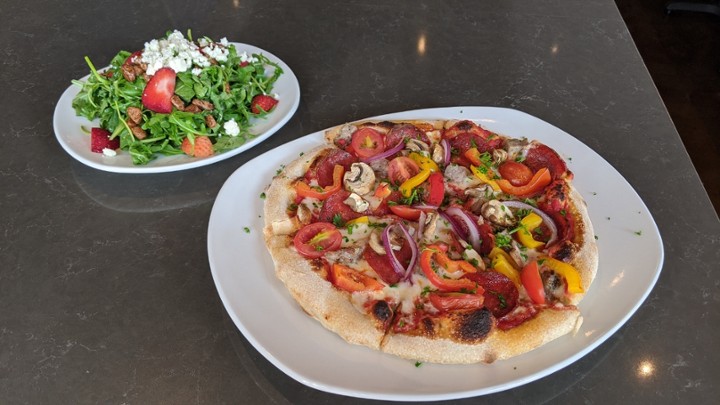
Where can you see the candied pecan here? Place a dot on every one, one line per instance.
(138, 132)
(205, 105)
(128, 73)
(135, 114)
(138, 70)
(177, 102)
(210, 121)
(192, 108)
(130, 123)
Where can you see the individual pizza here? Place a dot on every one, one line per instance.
(437, 241)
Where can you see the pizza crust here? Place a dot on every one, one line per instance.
(547, 326)
(587, 257)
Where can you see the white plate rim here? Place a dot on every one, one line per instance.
(487, 116)
(70, 136)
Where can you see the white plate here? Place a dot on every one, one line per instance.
(77, 143)
(266, 314)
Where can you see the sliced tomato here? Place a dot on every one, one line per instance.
(515, 172)
(351, 280)
(531, 280)
(322, 193)
(538, 182)
(451, 285)
(456, 301)
(406, 212)
(401, 169)
(314, 240)
(436, 192)
(367, 142)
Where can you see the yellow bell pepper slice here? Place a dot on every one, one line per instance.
(484, 177)
(408, 185)
(502, 263)
(361, 220)
(527, 225)
(570, 273)
(424, 162)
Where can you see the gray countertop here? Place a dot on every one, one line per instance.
(106, 294)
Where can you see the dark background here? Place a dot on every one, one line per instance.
(682, 52)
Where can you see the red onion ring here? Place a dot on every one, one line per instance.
(387, 153)
(473, 234)
(421, 226)
(394, 262)
(446, 150)
(546, 219)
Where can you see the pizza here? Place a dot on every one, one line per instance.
(438, 241)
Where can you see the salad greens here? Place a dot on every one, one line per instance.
(229, 85)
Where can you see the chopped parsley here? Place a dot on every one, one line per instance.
(596, 237)
(501, 298)
(530, 201)
(246, 229)
(338, 221)
(426, 290)
(418, 363)
(638, 233)
(502, 240)
(262, 196)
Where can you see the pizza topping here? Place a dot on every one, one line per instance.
(367, 142)
(452, 301)
(360, 179)
(504, 264)
(351, 280)
(325, 167)
(501, 295)
(527, 225)
(303, 189)
(430, 267)
(541, 156)
(417, 145)
(314, 240)
(334, 208)
(515, 172)
(356, 203)
(441, 153)
(399, 268)
(536, 184)
(499, 156)
(464, 225)
(532, 282)
(568, 272)
(401, 169)
(497, 213)
(460, 178)
(546, 220)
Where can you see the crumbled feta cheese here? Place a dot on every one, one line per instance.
(231, 128)
(196, 71)
(219, 53)
(109, 152)
(244, 57)
(174, 52)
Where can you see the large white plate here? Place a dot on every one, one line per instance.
(77, 143)
(631, 257)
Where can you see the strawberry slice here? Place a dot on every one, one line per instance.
(262, 103)
(202, 147)
(100, 139)
(159, 90)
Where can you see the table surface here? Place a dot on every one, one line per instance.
(105, 287)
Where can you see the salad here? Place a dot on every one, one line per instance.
(176, 96)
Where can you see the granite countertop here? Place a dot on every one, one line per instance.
(105, 287)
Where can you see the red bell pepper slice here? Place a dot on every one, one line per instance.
(304, 190)
(538, 182)
(456, 285)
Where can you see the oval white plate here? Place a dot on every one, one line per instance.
(275, 325)
(77, 143)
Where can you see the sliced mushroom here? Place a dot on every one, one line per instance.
(438, 154)
(430, 225)
(417, 145)
(304, 214)
(516, 148)
(497, 213)
(356, 203)
(499, 156)
(360, 179)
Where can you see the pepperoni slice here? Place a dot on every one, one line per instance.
(400, 133)
(325, 166)
(381, 263)
(467, 140)
(540, 155)
(334, 206)
(501, 294)
(516, 318)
